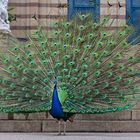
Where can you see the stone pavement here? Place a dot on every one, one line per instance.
(70, 136)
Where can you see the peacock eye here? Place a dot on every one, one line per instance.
(90, 35)
(15, 49)
(124, 43)
(10, 68)
(83, 16)
(81, 27)
(36, 32)
(56, 23)
(79, 39)
(29, 45)
(67, 34)
(104, 19)
(56, 33)
(65, 46)
(6, 60)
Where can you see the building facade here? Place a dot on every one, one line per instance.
(50, 10)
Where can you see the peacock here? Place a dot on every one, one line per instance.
(77, 67)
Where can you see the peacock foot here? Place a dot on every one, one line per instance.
(59, 134)
(64, 134)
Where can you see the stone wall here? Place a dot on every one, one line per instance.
(125, 121)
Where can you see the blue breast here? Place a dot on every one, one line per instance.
(56, 109)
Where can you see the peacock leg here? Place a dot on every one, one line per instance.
(65, 125)
(59, 128)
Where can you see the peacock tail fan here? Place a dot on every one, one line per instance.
(95, 69)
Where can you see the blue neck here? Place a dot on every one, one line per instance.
(56, 109)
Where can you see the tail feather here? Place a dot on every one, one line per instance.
(92, 65)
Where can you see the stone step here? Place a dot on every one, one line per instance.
(76, 126)
(95, 126)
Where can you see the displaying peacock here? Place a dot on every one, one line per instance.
(78, 67)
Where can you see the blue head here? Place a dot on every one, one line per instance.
(55, 83)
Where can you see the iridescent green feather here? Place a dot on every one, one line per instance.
(94, 69)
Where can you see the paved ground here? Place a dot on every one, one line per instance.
(70, 136)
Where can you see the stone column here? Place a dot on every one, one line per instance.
(4, 23)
